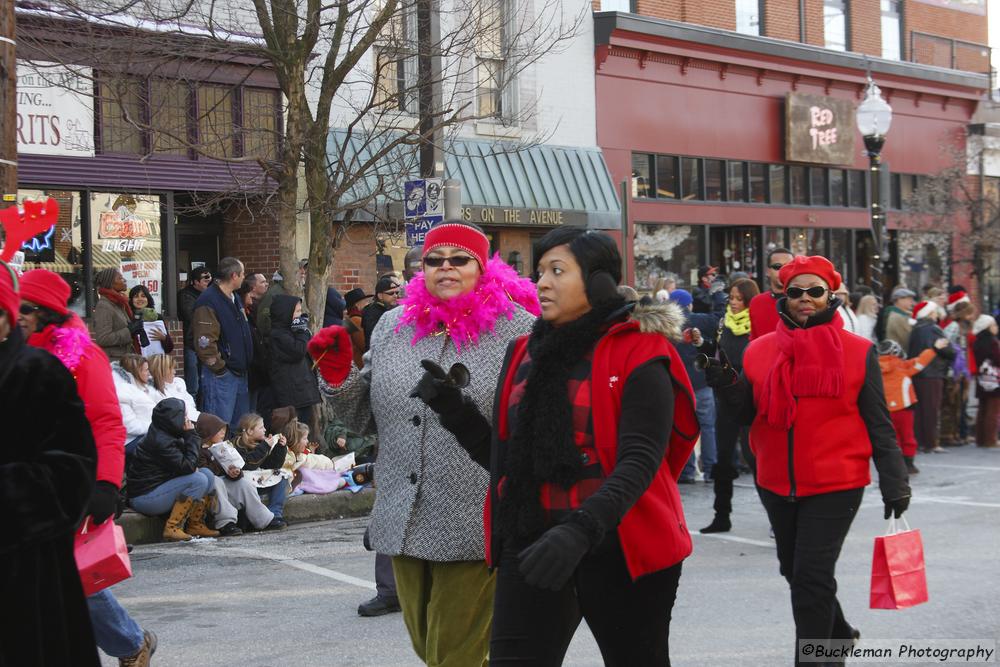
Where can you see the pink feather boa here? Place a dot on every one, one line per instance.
(499, 291)
(68, 343)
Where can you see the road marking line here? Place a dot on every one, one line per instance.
(952, 501)
(734, 538)
(931, 466)
(305, 567)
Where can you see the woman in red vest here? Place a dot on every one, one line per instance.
(812, 393)
(593, 422)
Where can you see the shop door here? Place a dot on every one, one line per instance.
(734, 249)
(197, 245)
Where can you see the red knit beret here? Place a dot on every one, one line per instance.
(814, 264)
(469, 239)
(45, 288)
(9, 301)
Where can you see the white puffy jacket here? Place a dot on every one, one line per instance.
(136, 402)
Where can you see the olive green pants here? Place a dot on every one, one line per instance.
(447, 608)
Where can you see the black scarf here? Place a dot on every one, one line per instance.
(542, 449)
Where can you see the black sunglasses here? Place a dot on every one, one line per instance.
(775, 267)
(814, 292)
(28, 309)
(457, 261)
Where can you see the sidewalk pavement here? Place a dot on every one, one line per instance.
(142, 529)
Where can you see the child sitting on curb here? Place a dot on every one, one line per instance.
(264, 456)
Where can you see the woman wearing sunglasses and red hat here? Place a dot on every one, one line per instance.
(812, 393)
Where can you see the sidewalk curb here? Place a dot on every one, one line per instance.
(142, 529)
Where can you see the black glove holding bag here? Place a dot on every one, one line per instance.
(551, 560)
(896, 507)
(103, 502)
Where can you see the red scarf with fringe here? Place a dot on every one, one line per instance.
(810, 363)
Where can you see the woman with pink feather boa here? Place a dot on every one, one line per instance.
(461, 311)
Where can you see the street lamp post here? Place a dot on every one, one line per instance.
(874, 116)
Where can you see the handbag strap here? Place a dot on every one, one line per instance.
(83, 528)
(894, 527)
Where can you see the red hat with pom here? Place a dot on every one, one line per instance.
(924, 309)
(812, 264)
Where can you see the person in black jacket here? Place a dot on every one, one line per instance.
(386, 295)
(163, 475)
(264, 456)
(699, 338)
(734, 335)
(198, 280)
(292, 379)
(47, 472)
(928, 383)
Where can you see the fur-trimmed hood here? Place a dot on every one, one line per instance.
(662, 318)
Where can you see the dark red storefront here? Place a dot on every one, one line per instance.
(694, 120)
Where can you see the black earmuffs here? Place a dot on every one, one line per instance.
(600, 287)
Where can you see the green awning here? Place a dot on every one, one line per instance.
(498, 178)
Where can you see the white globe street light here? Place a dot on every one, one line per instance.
(874, 117)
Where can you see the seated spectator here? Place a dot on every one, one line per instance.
(264, 457)
(135, 398)
(301, 453)
(163, 383)
(234, 491)
(144, 310)
(292, 380)
(163, 475)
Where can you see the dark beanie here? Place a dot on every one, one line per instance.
(208, 425)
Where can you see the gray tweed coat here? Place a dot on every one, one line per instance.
(429, 502)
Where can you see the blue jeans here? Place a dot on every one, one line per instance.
(191, 371)
(274, 497)
(161, 499)
(226, 396)
(115, 632)
(705, 410)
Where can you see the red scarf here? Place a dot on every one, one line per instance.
(810, 363)
(121, 301)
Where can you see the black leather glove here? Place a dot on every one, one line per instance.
(896, 507)
(439, 390)
(135, 326)
(103, 502)
(718, 374)
(550, 560)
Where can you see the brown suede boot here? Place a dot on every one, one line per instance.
(196, 521)
(173, 531)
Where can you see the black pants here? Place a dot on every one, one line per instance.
(727, 434)
(809, 533)
(630, 620)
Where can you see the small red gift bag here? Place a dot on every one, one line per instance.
(899, 578)
(101, 556)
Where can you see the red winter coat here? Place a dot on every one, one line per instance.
(653, 533)
(72, 345)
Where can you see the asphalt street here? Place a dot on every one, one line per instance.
(290, 598)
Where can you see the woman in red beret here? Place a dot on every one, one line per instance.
(812, 393)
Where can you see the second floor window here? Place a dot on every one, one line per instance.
(892, 34)
(835, 24)
(748, 15)
(396, 63)
(495, 89)
(616, 6)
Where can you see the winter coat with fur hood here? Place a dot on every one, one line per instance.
(167, 451)
(429, 503)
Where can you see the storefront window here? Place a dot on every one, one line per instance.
(779, 193)
(817, 180)
(798, 186)
(905, 189)
(758, 183)
(923, 258)
(60, 249)
(736, 181)
(838, 196)
(856, 188)
(807, 241)
(641, 185)
(714, 170)
(690, 178)
(125, 233)
(666, 177)
(663, 249)
(840, 250)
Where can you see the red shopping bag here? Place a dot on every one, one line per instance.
(101, 555)
(899, 578)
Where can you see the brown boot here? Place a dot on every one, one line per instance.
(196, 521)
(141, 659)
(173, 531)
